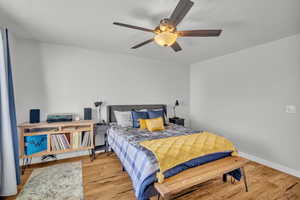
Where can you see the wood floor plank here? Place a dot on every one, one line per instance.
(103, 179)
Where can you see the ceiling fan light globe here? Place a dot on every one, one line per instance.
(165, 38)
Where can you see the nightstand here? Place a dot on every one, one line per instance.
(101, 130)
(178, 121)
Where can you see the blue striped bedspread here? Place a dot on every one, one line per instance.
(140, 164)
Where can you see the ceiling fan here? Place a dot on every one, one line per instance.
(166, 33)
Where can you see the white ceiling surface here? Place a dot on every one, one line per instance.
(88, 24)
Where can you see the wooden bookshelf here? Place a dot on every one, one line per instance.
(28, 129)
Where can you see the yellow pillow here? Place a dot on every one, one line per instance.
(143, 124)
(155, 124)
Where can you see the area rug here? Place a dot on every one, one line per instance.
(61, 182)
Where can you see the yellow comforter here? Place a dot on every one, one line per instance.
(174, 151)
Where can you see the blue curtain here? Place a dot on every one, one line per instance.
(9, 150)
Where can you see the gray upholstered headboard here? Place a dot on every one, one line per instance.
(111, 108)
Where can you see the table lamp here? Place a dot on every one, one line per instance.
(174, 108)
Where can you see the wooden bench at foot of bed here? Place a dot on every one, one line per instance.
(194, 176)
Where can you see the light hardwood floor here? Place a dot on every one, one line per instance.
(104, 180)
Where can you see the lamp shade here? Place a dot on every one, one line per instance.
(98, 103)
(176, 103)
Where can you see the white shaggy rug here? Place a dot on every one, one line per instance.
(61, 182)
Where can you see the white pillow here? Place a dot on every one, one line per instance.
(124, 119)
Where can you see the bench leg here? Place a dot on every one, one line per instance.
(224, 178)
(245, 179)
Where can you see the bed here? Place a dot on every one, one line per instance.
(140, 163)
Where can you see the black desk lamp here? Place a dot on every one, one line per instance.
(174, 108)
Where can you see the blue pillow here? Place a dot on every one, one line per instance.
(136, 116)
(156, 114)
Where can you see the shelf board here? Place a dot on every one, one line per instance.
(57, 132)
(56, 124)
(57, 152)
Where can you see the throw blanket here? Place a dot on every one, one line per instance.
(174, 151)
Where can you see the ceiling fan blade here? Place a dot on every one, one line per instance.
(180, 11)
(176, 47)
(199, 33)
(143, 43)
(134, 27)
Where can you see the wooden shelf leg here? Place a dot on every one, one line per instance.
(245, 179)
(224, 178)
(26, 163)
(91, 154)
(94, 154)
(23, 165)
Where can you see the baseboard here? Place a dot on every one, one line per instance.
(273, 165)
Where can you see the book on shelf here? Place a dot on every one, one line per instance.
(86, 139)
(60, 142)
(66, 141)
(52, 142)
(81, 139)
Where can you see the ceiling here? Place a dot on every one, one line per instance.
(88, 24)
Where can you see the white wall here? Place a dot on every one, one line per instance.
(60, 79)
(243, 97)
(29, 79)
